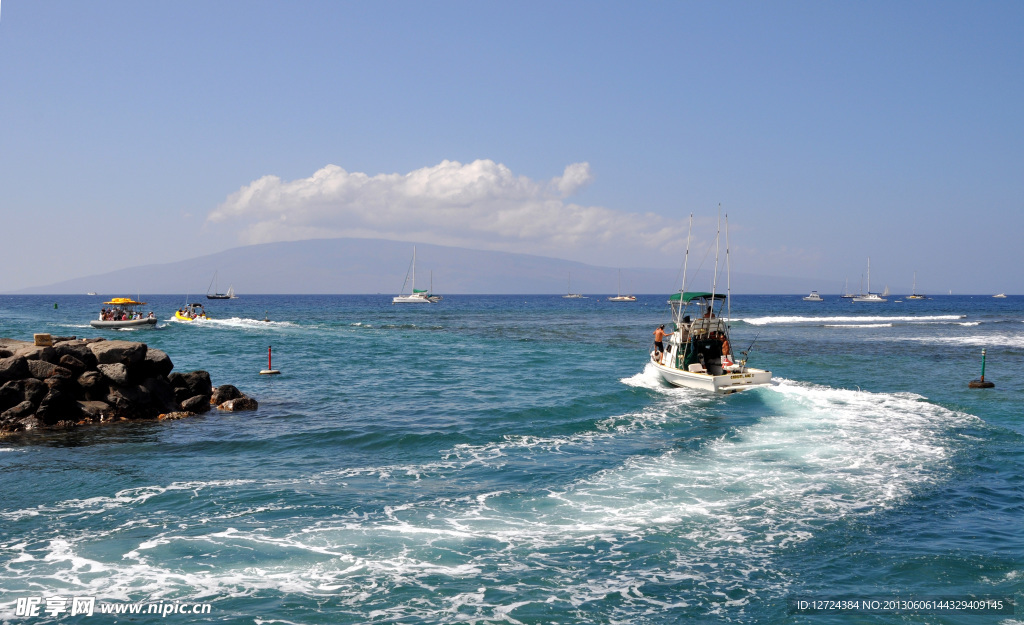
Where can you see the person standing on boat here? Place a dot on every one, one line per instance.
(659, 336)
(726, 352)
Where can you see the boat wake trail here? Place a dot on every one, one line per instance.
(806, 320)
(236, 322)
(688, 531)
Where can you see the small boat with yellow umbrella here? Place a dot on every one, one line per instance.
(124, 312)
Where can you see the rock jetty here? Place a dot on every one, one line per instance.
(64, 382)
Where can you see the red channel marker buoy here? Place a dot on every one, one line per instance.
(270, 370)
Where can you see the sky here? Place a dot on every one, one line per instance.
(829, 132)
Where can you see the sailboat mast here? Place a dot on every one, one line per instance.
(414, 269)
(869, 275)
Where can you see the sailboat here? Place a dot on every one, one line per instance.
(846, 290)
(570, 294)
(869, 296)
(915, 294)
(619, 297)
(698, 354)
(415, 296)
(215, 295)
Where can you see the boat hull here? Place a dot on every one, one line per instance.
(411, 299)
(131, 323)
(721, 384)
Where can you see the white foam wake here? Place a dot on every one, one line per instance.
(235, 322)
(708, 518)
(800, 319)
(1015, 341)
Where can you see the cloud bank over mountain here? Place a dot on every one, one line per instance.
(482, 204)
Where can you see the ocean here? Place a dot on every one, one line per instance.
(513, 459)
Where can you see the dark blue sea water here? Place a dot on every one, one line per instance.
(512, 459)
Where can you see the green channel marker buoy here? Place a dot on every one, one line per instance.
(55, 305)
(981, 383)
(270, 370)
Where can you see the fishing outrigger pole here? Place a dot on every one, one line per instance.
(750, 348)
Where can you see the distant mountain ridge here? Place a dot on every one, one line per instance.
(356, 266)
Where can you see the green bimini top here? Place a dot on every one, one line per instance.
(692, 295)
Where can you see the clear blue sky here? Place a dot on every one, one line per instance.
(139, 133)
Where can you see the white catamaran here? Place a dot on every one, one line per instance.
(699, 354)
(415, 296)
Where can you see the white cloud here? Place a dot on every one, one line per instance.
(480, 204)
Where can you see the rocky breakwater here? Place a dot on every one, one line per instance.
(71, 382)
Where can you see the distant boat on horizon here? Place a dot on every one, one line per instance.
(869, 296)
(814, 297)
(570, 294)
(619, 297)
(215, 295)
(846, 290)
(1000, 296)
(915, 294)
(415, 296)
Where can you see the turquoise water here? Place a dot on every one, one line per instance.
(512, 459)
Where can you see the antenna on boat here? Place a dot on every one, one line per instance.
(718, 247)
(686, 259)
(728, 274)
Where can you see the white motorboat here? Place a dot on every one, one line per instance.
(699, 353)
(1000, 296)
(124, 313)
(814, 297)
(869, 296)
(415, 296)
